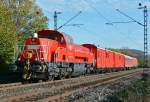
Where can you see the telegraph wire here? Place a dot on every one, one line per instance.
(129, 17)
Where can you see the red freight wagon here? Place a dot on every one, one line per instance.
(110, 59)
(93, 49)
(119, 60)
(101, 58)
(99, 54)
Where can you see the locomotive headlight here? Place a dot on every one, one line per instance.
(19, 59)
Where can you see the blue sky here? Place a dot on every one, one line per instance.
(94, 29)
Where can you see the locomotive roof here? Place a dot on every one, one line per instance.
(47, 31)
(50, 32)
(91, 45)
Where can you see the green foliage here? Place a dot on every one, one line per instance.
(7, 35)
(27, 17)
(19, 19)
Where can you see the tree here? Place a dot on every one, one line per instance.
(28, 17)
(19, 20)
(8, 33)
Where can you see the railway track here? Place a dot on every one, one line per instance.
(10, 85)
(58, 90)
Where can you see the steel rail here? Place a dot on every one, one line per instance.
(66, 93)
(53, 89)
(10, 85)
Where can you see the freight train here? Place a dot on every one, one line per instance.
(50, 54)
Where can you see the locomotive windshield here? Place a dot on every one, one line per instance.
(50, 36)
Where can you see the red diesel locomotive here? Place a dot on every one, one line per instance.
(51, 54)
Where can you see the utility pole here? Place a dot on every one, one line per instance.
(145, 56)
(145, 62)
(145, 38)
(55, 19)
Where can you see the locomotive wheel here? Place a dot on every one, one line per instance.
(51, 77)
(62, 76)
(88, 71)
(63, 73)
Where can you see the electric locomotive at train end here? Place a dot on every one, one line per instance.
(50, 54)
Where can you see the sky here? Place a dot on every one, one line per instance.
(95, 14)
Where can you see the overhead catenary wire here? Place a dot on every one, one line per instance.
(129, 17)
(79, 26)
(111, 23)
(102, 16)
(70, 20)
(94, 8)
(116, 9)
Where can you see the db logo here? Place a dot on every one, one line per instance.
(27, 55)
